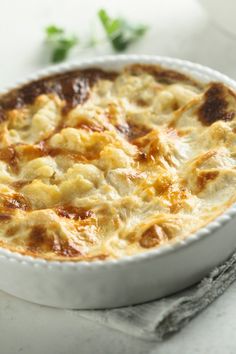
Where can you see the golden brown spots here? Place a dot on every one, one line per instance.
(91, 126)
(177, 196)
(142, 156)
(152, 150)
(12, 230)
(41, 240)
(216, 104)
(153, 237)
(133, 131)
(68, 249)
(91, 153)
(204, 177)
(200, 160)
(171, 191)
(20, 184)
(74, 213)
(111, 113)
(15, 201)
(9, 156)
(30, 152)
(141, 102)
(5, 217)
(137, 130)
(162, 183)
(38, 239)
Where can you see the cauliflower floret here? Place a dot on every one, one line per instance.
(42, 167)
(41, 195)
(46, 118)
(75, 187)
(112, 157)
(87, 171)
(70, 139)
(79, 180)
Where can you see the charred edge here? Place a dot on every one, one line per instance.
(215, 105)
(72, 86)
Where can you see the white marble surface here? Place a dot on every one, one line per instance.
(177, 28)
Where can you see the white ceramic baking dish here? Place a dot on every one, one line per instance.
(130, 280)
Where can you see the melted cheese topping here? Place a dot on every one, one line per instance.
(148, 158)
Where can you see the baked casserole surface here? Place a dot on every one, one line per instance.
(100, 165)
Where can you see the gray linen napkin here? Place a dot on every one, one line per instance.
(159, 319)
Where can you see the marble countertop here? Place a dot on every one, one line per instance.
(178, 29)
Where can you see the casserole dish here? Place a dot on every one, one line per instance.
(130, 279)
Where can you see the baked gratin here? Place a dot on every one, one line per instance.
(100, 165)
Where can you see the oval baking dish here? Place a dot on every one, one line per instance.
(129, 279)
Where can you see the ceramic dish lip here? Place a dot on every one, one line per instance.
(204, 73)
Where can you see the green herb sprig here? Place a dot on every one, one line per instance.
(61, 42)
(119, 32)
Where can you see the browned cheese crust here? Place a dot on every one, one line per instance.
(101, 165)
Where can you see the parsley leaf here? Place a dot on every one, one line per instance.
(119, 32)
(53, 30)
(60, 42)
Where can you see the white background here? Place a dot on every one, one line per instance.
(177, 28)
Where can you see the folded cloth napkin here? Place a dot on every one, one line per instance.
(159, 319)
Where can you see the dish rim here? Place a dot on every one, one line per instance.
(185, 66)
